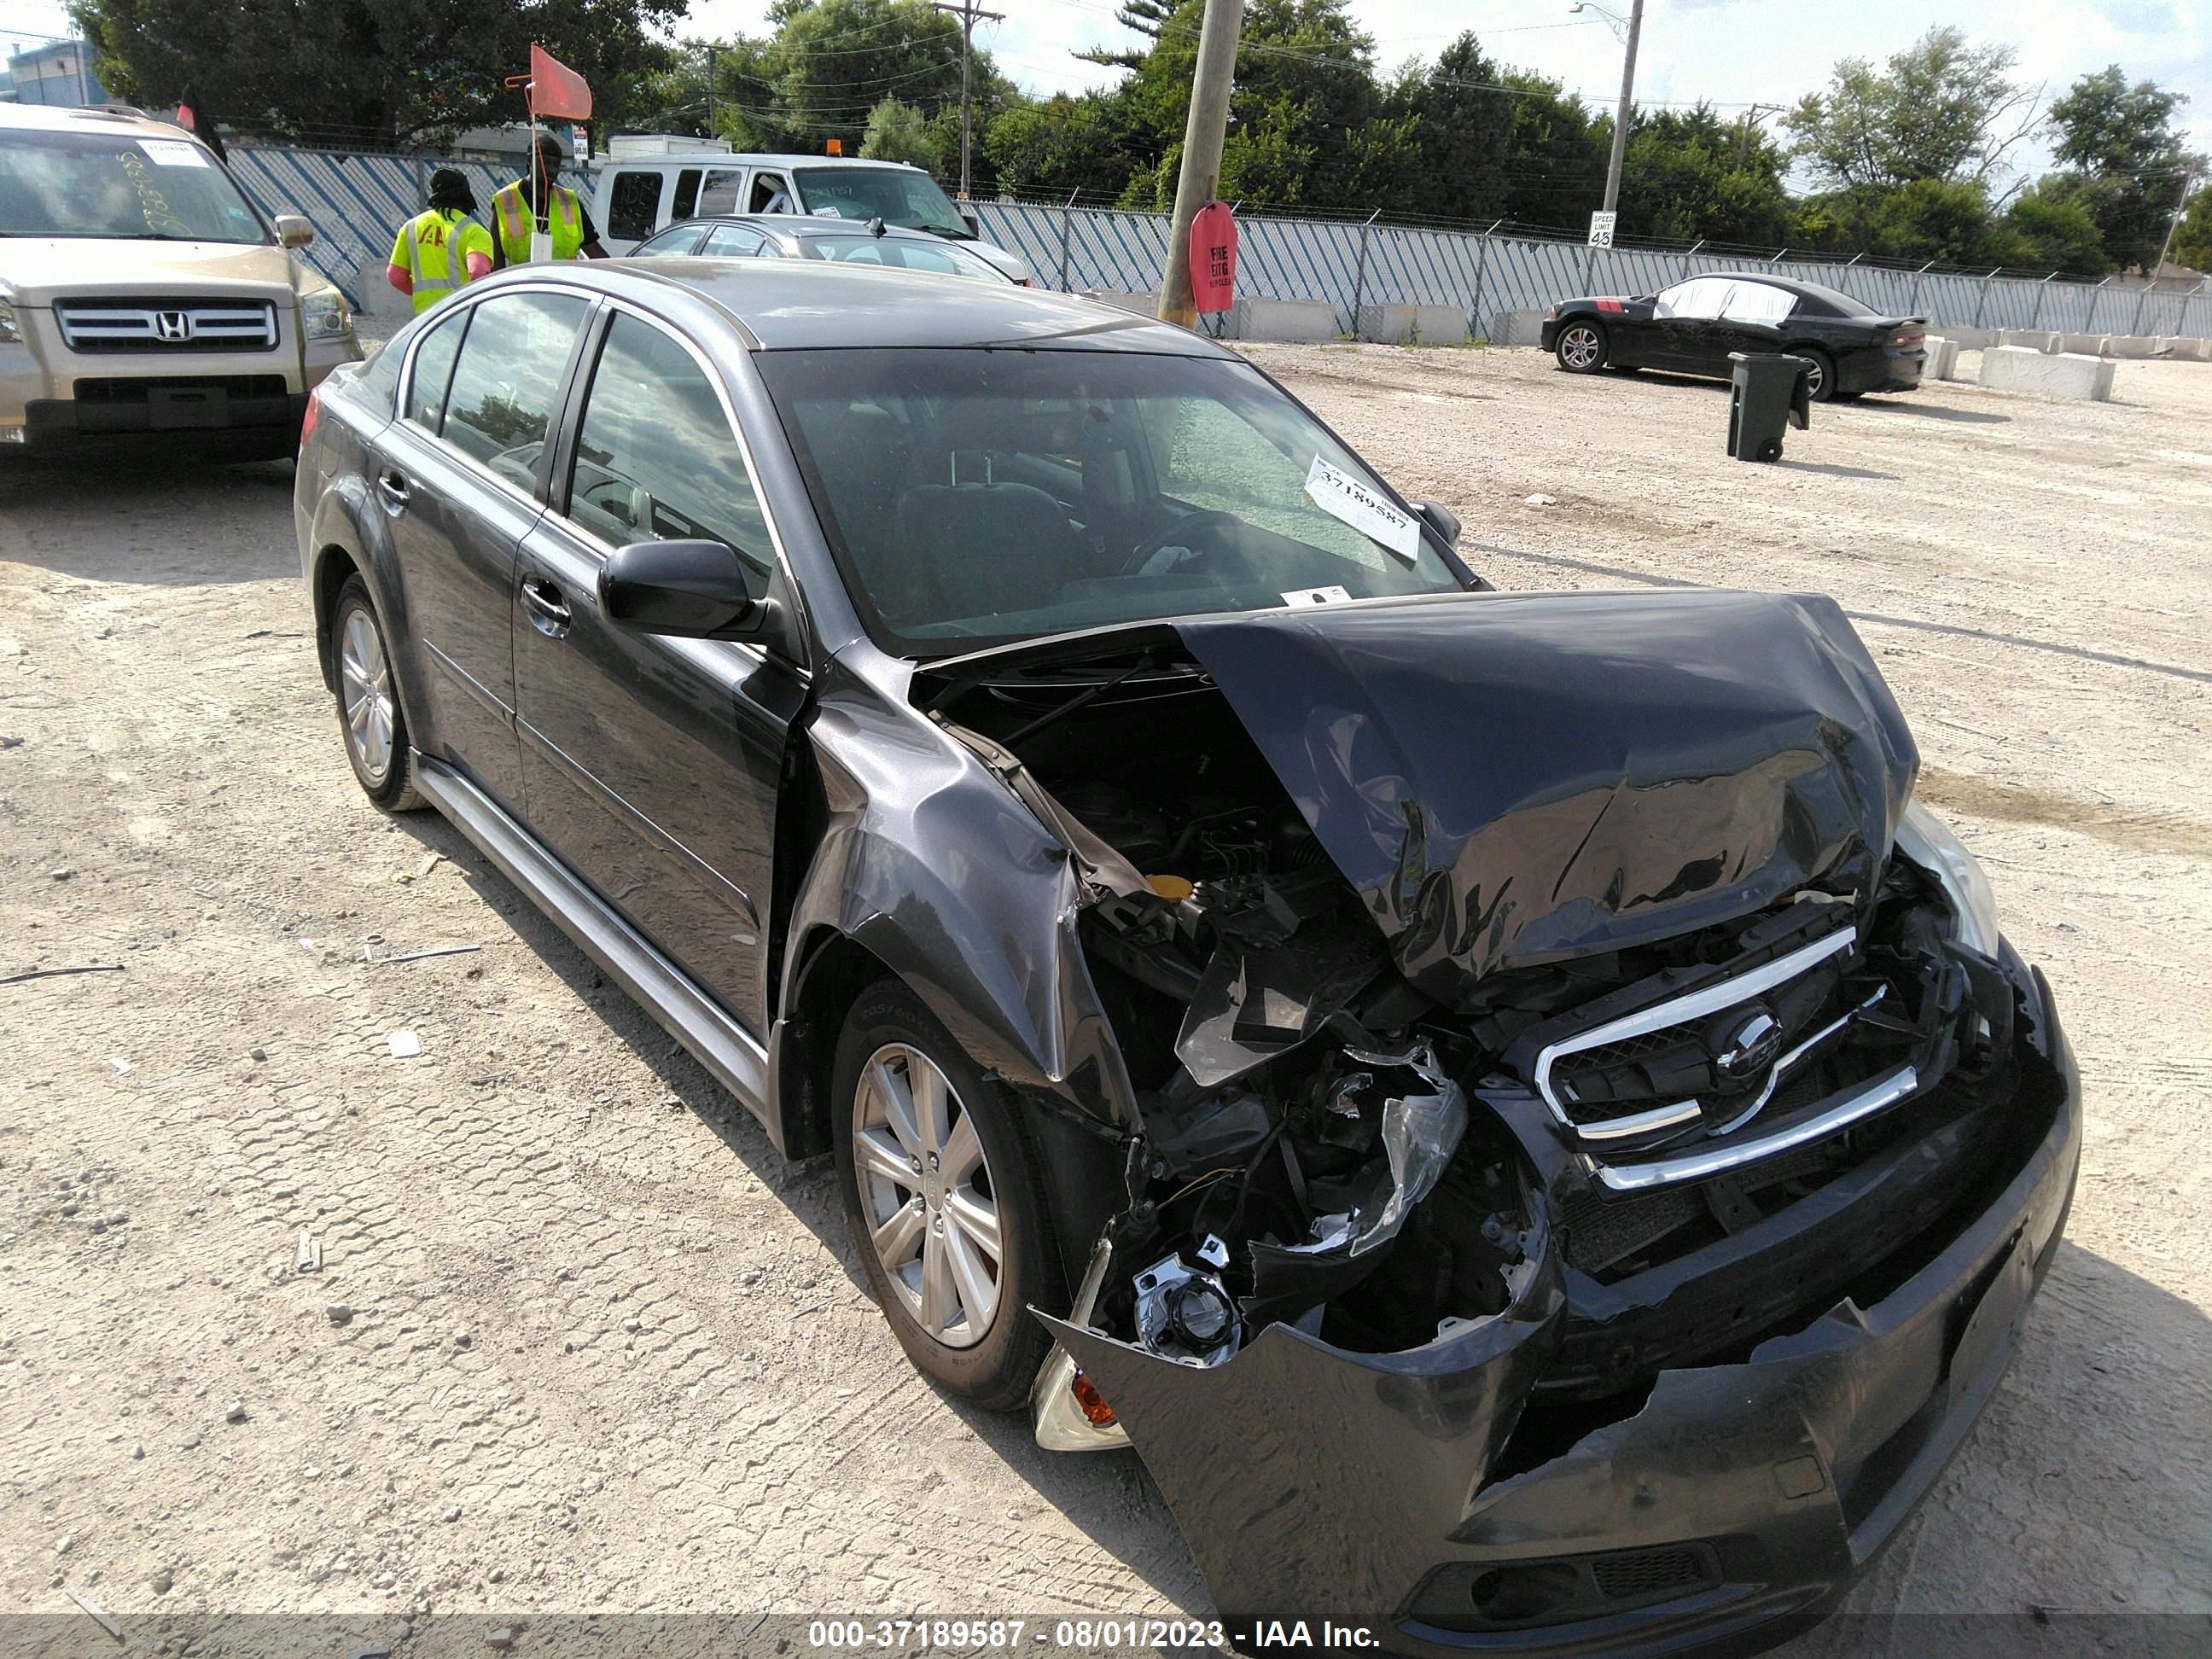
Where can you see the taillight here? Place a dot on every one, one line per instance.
(307, 420)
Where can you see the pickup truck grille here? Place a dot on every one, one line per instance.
(95, 325)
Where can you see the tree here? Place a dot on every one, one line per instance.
(368, 73)
(2192, 242)
(2052, 227)
(897, 132)
(835, 60)
(2129, 162)
(1556, 158)
(1463, 130)
(1941, 110)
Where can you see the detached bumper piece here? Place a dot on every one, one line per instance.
(1501, 1488)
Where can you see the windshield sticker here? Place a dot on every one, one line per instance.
(1317, 596)
(173, 153)
(1341, 495)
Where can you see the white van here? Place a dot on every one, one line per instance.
(646, 182)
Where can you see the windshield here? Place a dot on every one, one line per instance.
(977, 496)
(906, 253)
(909, 200)
(69, 184)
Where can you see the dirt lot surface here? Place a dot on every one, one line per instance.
(579, 1341)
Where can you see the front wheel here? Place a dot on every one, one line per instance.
(1580, 346)
(942, 1195)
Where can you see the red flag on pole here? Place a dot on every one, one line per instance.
(1214, 259)
(555, 89)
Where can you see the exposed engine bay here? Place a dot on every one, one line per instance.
(1345, 1134)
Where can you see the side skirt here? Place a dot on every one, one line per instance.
(717, 1041)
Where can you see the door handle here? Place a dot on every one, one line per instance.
(392, 483)
(549, 612)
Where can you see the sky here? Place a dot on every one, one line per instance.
(1734, 53)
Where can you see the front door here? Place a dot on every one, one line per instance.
(457, 476)
(651, 764)
(1685, 325)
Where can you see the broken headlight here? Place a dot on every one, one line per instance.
(1928, 842)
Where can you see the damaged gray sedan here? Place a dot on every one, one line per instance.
(1503, 1100)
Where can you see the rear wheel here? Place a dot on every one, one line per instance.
(1819, 373)
(942, 1195)
(1580, 346)
(374, 725)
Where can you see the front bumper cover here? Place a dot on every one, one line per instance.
(1729, 1510)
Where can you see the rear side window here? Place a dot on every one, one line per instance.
(509, 372)
(634, 205)
(656, 457)
(687, 194)
(720, 190)
(434, 372)
(676, 238)
(732, 242)
(1758, 302)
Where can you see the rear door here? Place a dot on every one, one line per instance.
(459, 477)
(651, 764)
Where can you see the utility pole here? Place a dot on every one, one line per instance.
(968, 12)
(2180, 208)
(1627, 97)
(712, 131)
(1743, 133)
(1199, 180)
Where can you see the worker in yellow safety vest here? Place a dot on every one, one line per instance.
(537, 207)
(442, 248)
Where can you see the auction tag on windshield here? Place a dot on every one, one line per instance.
(173, 153)
(1330, 595)
(1339, 494)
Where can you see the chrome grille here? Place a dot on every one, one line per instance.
(95, 325)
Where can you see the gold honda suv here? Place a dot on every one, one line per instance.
(144, 300)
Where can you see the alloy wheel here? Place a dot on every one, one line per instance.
(926, 1188)
(364, 684)
(1579, 347)
(1815, 376)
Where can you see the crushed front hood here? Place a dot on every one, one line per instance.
(1508, 780)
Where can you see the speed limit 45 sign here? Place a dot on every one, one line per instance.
(1601, 234)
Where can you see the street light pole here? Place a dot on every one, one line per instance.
(968, 12)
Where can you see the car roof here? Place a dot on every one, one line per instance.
(50, 117)
(788, 306)
(749, 158)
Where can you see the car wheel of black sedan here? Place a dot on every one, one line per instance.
(1581, 347)
(942, 1194)
(1819, 373)
(368, 703)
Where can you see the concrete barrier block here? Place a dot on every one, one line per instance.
(1413, 325)
(2136, 346)
(2015, 368)
(1942, 362)
(2082, 345)
(2187, 349)
(1516, 328)
(1972, 340)
(377, 297)
(1282, 319)
(2032, 339)
(1144, 305)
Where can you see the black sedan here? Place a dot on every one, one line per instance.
(1503, 1100)
(843, 241)
(1850, 349)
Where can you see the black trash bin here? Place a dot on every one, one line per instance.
(1769, 394)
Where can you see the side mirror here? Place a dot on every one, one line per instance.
(293, 231)
(690, 590)
(1440, 519)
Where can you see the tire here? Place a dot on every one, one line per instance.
(371, 721)
(1823, 370)
(934, 1264)
(1580, 345)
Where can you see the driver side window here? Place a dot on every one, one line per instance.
(1699, 297)
(656, 457)
(507, 379)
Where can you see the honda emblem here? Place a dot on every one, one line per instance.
(173, 325)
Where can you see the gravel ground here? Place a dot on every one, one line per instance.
(579, 1341)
